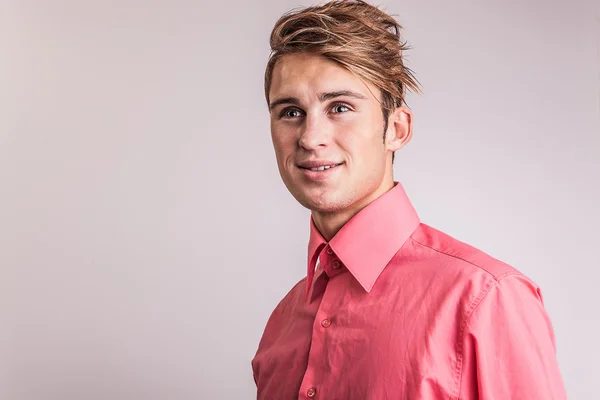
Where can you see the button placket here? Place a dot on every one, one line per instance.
(321, 324)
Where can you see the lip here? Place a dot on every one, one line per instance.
(320, 175)
(317, 163)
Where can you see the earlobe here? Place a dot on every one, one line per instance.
(401, 129)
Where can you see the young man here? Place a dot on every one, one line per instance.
(390, 307)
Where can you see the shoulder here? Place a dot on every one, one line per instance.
(468, 272)
(489, 289)
(281, 314)
(435, 244)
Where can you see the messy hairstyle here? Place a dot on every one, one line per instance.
(356, 35)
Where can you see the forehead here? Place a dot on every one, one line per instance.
(298, 74)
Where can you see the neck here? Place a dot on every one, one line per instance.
(329, 223)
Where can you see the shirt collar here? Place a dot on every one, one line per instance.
(369, 240)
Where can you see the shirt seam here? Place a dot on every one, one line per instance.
(462, 259)
(460, 345)
(470, 310)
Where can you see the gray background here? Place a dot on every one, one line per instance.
(145, 235)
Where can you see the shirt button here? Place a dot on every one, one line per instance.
(325, 323)
(311, 392)
(329, 251)
(336, 264)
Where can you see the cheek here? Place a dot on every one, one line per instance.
(283, 145)
(362, 138)
(277, 137)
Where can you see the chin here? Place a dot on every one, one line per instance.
(326, 197)
(322, 203)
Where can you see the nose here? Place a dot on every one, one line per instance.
(314, 133)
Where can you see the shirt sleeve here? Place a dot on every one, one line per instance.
(509, 349)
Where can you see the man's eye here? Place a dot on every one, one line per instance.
(340, 108)
(289, 113)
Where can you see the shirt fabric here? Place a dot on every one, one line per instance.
(396, 309)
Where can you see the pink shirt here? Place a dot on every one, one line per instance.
(399, 310)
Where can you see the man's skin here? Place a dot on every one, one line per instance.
(343, 129)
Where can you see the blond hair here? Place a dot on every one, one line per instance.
(358, 36)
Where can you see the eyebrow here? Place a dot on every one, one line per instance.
(322, 97)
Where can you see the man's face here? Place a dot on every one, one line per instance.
(324, 116)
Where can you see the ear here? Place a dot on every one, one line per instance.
(399, 130)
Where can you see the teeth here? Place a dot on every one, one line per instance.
(323, 168)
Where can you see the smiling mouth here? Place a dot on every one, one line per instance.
(322, 168)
